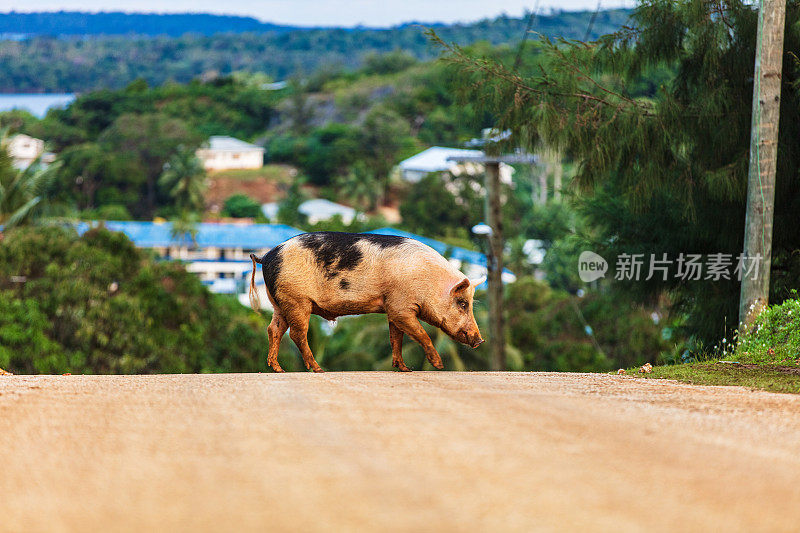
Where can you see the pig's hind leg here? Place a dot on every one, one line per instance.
(411, 327)
(277, 327)
(396, 338)
(298, 319)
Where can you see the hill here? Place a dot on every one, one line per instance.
(48, 64)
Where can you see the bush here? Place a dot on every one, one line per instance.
(96, 304)
(774, 338)
(241, 206)
(548, 328)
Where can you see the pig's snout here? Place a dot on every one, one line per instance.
(470, 339)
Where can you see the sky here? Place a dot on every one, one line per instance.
(323, 12)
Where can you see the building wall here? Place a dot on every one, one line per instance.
(24, 149)
(230, 160)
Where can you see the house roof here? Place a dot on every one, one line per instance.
(257, 236)
(322, 207)
(317, 207)
(247, 236)
(231, 144)
(435, 159)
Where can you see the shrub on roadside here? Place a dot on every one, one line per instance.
(775, 336)
(96, 304)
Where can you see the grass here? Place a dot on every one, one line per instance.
(277, 173)
(768, 377)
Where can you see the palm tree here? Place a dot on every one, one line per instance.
(184, 179)
(22, 192)
(185, 228)
(361, 187)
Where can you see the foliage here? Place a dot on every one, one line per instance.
(23, 193)
(388, 63)
(150, 141)
(324, 153)
(107, 212)
(774, 337)
(96, 304)
(241, 206)
(360, 186)
(661, 171)
(764, 377)
(46, 64)
(548, 327)
(223, 106)
(289, 209)
(430, 208)
(184, 179)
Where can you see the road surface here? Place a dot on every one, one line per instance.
(377, 451)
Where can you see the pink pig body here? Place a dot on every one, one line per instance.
(333, 274)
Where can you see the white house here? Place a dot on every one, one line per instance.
(25, 149)
(435, 159)
(226, 153)
(317, 210)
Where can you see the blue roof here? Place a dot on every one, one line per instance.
(257, 236)
(248, 236)
(454, 252)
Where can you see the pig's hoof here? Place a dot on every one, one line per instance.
(277, 368)
(399, 365)
(438, 365)
(318, 369)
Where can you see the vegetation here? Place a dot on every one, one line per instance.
(47, 64)
(97, 304)
(241, 206)
(23, 193)
(662, 165)
(774, 338)
(771, 378)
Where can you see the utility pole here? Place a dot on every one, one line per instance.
(763, 154)
(494, 264)
(494, 259)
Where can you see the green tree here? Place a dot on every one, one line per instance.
(241, 206)
(386, 137)
(360, 186)
(289, 209)
(184, 179)
(23, 193)
(96, 304)
(151, 139)
(664, 171)
(431, 208)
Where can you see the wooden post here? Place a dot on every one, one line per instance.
(763, 154)
(494, 263)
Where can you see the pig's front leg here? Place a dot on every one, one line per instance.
(396, 338)
(412, 328)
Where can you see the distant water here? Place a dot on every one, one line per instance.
(37, 104)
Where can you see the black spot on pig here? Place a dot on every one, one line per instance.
(271, 265)
(344, 284)
(338, 251)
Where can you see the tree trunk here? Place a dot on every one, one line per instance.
(494, 263)
(763, 154)
(558, 173)
(543, 172)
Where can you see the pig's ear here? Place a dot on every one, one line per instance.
(462, 285)
(478, 281)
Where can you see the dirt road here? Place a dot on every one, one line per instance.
(395, 452)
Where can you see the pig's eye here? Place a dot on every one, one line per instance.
(462, 303)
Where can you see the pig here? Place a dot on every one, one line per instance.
(332, 274)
